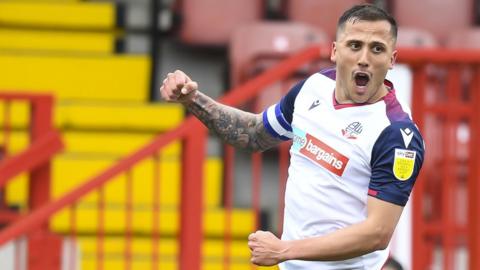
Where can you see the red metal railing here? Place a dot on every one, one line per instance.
(45, 142)
(445, 98)
(191, 193)
(473, 183)
(445, 102)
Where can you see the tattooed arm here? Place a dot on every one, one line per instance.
(236, 127)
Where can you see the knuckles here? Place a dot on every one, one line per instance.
(167, 94)
(172, 84)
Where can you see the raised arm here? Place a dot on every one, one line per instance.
(235, 127)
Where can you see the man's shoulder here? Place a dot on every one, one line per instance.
(318, 84)
(401, 133)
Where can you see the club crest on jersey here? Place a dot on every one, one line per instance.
(403, 163)
(352, 130)
(319, 152)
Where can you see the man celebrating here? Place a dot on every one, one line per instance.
(355, 155)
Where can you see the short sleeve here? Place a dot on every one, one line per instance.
(397, 158)
(277, 118)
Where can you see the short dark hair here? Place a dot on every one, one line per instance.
(367, 12)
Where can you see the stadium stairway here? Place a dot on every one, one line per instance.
(96, 134)
(68, 49)
(94, 143)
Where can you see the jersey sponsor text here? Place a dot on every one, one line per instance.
(324, 155)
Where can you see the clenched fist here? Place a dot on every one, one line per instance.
(266, 248)
(178, 87)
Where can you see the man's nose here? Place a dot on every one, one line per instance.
(363, 58)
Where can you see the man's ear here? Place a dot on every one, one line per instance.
(333, 53)
(393, 59)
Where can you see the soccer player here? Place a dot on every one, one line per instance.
(355, 155)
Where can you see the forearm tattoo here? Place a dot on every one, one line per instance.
(235, 127)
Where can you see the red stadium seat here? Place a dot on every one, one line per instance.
(211, 22)
(414, 37)
(320, 13)
(269, 40)
(464, 39)
(256, 47)
(437, 17)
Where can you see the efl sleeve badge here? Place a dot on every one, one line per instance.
(403, 164)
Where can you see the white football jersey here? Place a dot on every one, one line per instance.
(340, 155)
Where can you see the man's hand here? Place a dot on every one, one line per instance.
(266, 248)
(178, 87)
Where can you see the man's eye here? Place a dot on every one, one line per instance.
(354, 46)
(377, 49)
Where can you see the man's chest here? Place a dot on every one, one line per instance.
(338, 141)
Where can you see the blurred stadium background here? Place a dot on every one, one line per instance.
(97, 173)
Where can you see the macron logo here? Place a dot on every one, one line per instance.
(407, 136)
(314, 104)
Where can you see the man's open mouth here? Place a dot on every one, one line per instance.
(361, 78)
